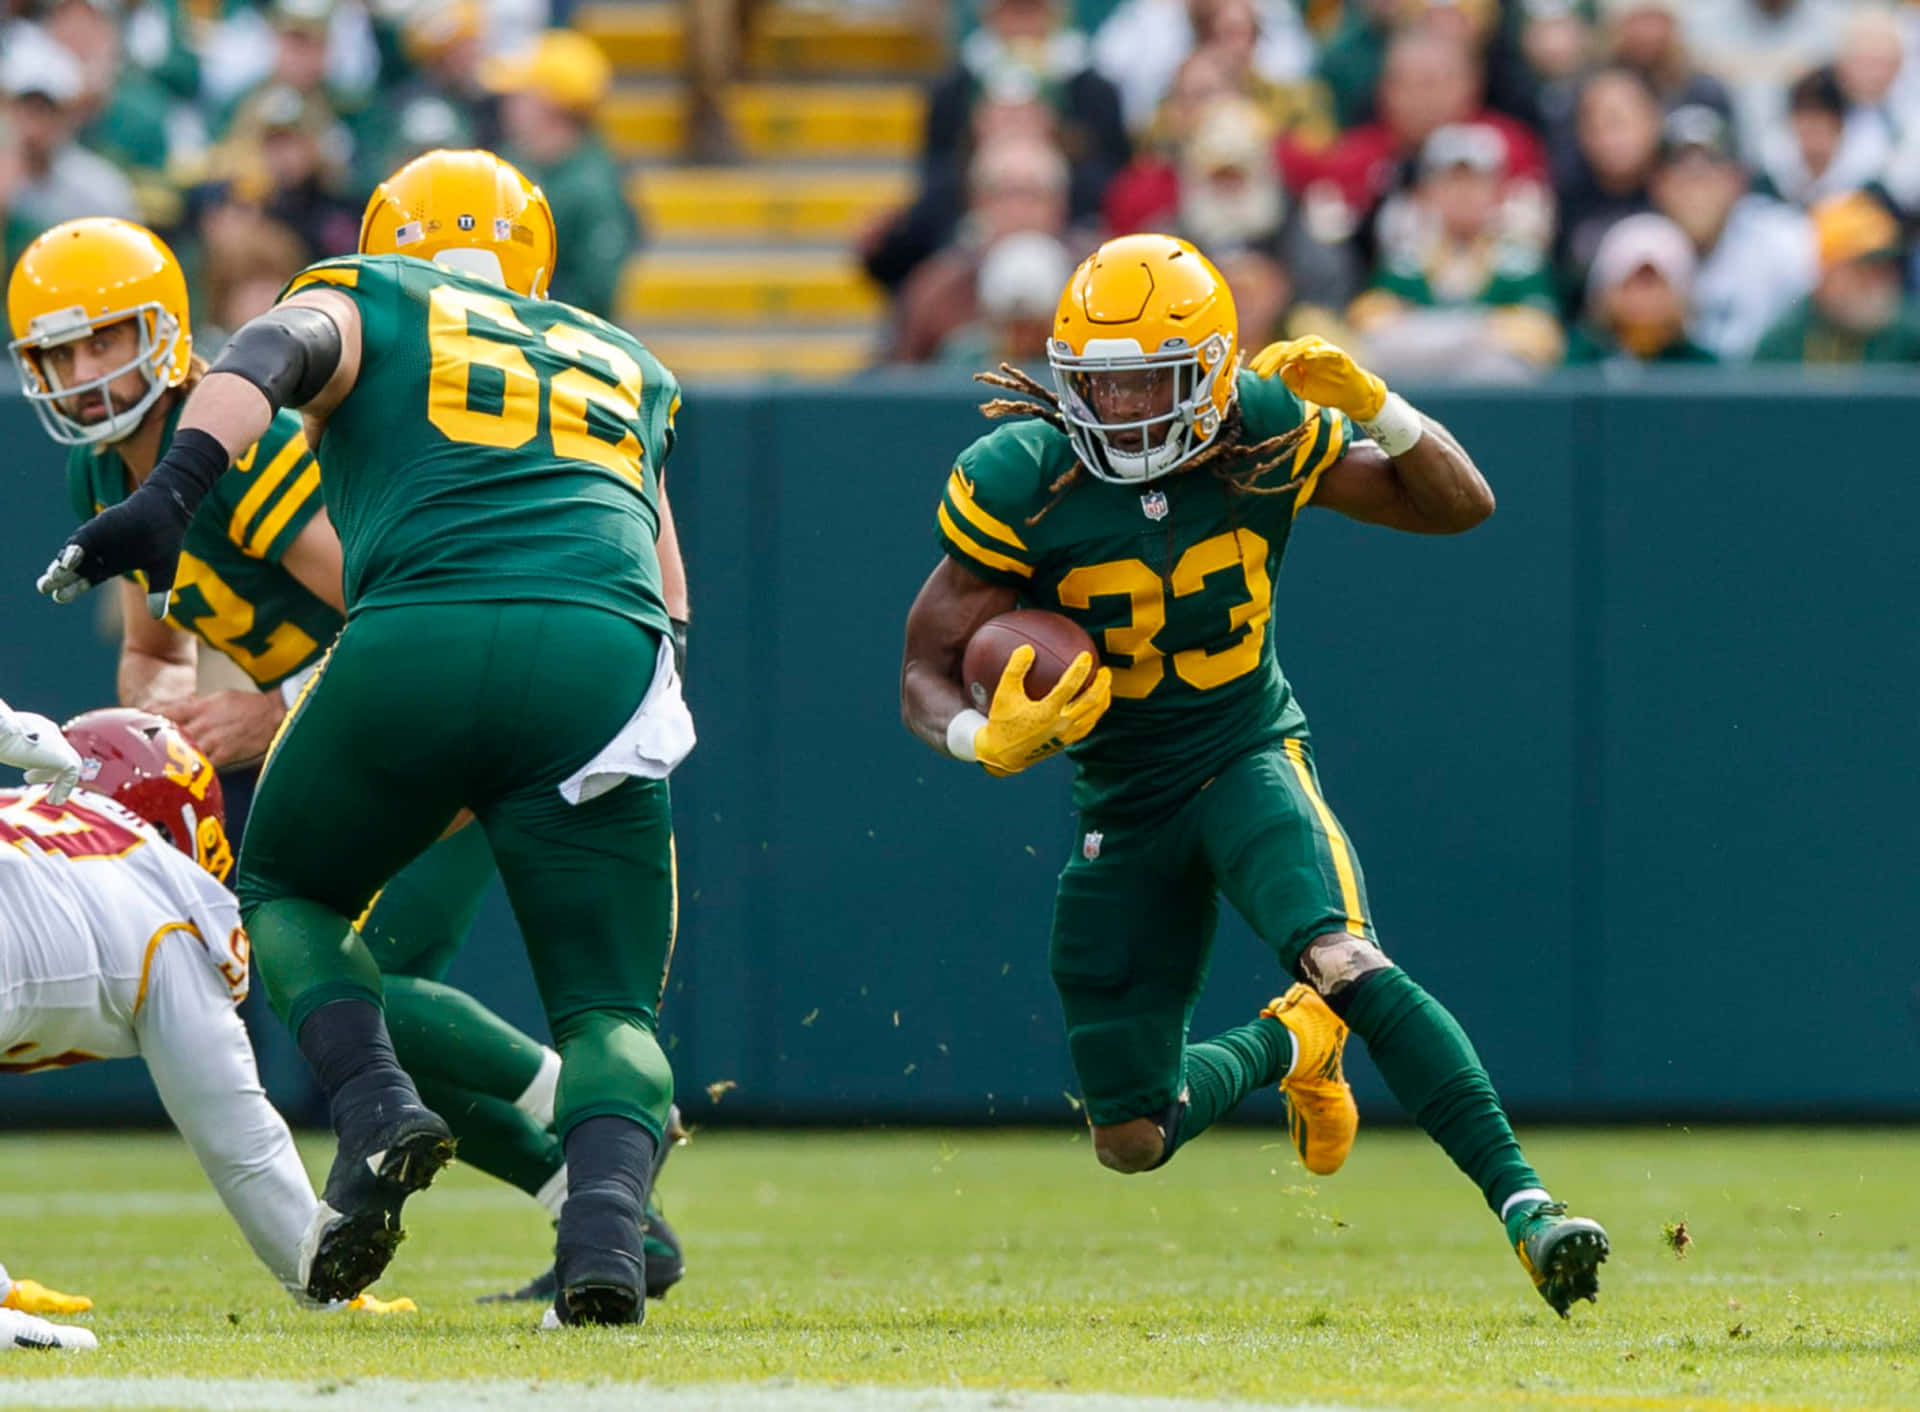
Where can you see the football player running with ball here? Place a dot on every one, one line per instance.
(114, 944)
(1149, 499)
(492, 463)
(103, 340)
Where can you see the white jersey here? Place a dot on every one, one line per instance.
(89, 894)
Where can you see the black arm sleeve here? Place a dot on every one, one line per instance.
(289, 353)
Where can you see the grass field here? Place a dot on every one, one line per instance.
(1008, 1261)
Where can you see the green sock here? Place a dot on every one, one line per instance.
(1428, 1062)
(1225, 1069)
(445, 1036)
(309, 956)
(499, 1139)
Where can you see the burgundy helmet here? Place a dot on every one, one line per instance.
(147, 766)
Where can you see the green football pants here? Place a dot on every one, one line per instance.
(422, 711)
(1134, 918)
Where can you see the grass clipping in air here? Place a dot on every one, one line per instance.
(1010, 1260)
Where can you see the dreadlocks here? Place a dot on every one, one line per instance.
(1230, 460)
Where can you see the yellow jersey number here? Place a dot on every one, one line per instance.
(602, 375)
(1145, 665)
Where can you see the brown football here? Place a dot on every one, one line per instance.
(1055, 640)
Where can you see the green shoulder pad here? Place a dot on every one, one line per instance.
(345, 272)
(1269, 408)
(272, 491)
(996, 485)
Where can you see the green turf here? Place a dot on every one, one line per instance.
(1011, 1259)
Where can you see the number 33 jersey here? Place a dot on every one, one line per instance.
(494, 447)
(88, 895)
(1173, 579)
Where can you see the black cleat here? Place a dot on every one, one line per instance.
(539, 1290)
(666, 1266)
(357, 1228)
(606, 1304)
(666, 1263)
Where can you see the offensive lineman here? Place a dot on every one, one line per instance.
(114, 944)
(103, 340)
(492, 462)
(1150, 499)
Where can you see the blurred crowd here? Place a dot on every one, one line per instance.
(251, 134)
(1485, 188)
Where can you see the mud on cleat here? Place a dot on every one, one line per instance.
(1561, 1254)
(356, 1228)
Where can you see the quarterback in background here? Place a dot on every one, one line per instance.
(103, 341)
(492, 461)
(113, 943)
(1149, 499)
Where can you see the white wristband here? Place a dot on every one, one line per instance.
(291, 688)
(1398, 428)
(960, 733)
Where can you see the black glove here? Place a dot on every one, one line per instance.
(143, 533)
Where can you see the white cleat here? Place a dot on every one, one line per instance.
(28, 1331)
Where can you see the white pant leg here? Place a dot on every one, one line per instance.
(196, 1049)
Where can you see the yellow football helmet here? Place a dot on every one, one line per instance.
(1143, 352)
(469, 211)
(85, 275)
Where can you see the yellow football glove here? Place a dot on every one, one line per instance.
(1020, 731)
(1314, 369)
(373, 1304)
(32, 1297)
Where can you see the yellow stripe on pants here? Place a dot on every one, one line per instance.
(1342, 859)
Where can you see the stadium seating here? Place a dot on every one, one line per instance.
(827, 119)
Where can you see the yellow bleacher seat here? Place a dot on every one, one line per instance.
(765, 204)
(778, 120)
(747, 288)
(697, 356)
(639, 39)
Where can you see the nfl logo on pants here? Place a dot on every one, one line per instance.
(1090, 845)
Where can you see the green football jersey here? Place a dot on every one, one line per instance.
(230, 590)
(494, 447)
(1173, 579)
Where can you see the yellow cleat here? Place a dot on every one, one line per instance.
(1321, 1115)
(32, 1297)
(373, 1304)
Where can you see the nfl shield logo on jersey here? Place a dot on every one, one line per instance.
(1154, 504)
(1090, 845)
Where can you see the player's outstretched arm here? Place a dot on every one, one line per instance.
(33, 743)
(952, 605)
(304, 353)
(1414, 475)
(1432, 487)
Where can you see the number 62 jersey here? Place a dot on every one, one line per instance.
(493, 446)
(88, 895)
(1172, 578)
